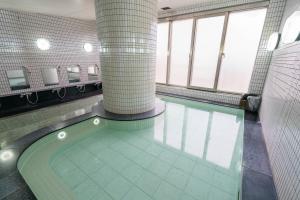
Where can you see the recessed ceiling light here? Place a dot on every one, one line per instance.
(43, 44)
(166, 8)
(88, 47)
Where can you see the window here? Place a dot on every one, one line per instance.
(50, 76)
(180, 52)
(162, 52)
(17, 79)
(215, 52)
(241, 44)
(206, 51)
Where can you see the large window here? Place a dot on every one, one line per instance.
(241, 44)
(215, 52)
(180, 52)
(162, 52)
(206, 51)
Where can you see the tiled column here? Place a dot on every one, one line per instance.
(127, 34)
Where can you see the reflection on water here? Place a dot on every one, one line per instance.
(191, 151)
(207, 134)
(196, 131)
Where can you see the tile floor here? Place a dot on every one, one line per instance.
(192, 151)
(14, 127)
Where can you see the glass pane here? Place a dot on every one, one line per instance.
(162, 52)
(50, 76)
(180, 44)
(17, 79)
(241, 44)
(206, 51)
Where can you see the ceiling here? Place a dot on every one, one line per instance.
(179, 3)
(81, 9)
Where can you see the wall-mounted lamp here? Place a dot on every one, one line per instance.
(88, 47)
(291, 29)
(43, 44)
(273, 41)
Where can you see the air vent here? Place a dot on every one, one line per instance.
(166, 8)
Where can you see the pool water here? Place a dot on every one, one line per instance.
(193, 151)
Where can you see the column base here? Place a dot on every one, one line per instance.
(159, 108)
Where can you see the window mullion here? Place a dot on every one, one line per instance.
(221, 51)
(169, 52)
(190, 70)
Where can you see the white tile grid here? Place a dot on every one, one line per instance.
(272, 23)
(205, 95)
(18, 34)
(127, 33)
(23, 22)
(280, 116)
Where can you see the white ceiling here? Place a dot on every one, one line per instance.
(179, 3)
(81, 9)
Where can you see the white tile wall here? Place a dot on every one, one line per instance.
(20, 30)
(127, 33)
(272, 24)
(233, 99)
(18, 34)
(280, 116)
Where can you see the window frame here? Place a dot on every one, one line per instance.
(205, 14)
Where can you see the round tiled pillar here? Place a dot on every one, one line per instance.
(127, 33)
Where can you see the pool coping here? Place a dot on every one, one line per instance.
(158, 109)
(19, 146)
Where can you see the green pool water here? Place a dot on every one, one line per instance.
(193, 151)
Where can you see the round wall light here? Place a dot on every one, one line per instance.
(291, 29)
(88, 47)
(43, 44)
(273, 41)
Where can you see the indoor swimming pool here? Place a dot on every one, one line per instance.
(193, 151)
